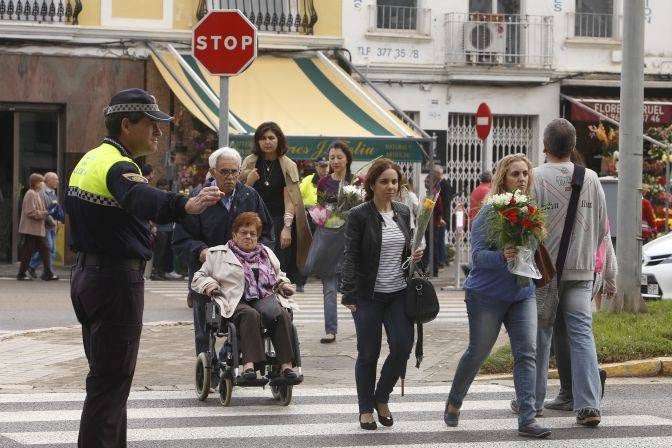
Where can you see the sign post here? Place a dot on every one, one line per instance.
(225, 43)
(483, 126)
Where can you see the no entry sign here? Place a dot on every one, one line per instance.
(225, 42)
(483, 121)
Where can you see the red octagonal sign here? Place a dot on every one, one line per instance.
(225, 42)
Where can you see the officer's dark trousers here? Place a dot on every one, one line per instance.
(109, 304)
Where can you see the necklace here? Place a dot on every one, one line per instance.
(267, 171)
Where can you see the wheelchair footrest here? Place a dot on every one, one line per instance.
(257, 382)
(282, 381)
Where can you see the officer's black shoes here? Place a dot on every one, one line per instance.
(23, 277)
(48, 278)
(32, 273)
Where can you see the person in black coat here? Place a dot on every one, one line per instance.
(196, 233)
(377, 243)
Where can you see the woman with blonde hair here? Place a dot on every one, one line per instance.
(32, 230)
(493, 298)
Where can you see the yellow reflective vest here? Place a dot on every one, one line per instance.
(89, 178)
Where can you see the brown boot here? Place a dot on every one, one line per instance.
(190, 301)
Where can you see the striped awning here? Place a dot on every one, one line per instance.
(312, 99)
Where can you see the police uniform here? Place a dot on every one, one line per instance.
(110, 204)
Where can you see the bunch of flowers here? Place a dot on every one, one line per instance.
(513, 220)
(333, 213)
(425, 212)
(608, 138)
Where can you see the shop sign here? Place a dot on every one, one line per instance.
(363, 149)
(654, 112)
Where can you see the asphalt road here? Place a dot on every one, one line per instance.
(635, 414)
(39, 304)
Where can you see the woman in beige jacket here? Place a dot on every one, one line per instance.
(242, 277)
(32, 230)
(276, 178)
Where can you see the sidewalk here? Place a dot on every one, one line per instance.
(53, 359)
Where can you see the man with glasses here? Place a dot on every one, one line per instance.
(196, 233)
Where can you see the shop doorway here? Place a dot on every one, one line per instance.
(30, 142)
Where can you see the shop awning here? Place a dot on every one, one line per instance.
(656, 111)
(312, 99)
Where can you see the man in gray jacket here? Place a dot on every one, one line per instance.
(552, 190)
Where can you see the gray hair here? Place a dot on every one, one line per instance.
(485, 177)
(224, 152)
(559, 138)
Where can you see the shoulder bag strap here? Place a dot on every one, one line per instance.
(570, 219)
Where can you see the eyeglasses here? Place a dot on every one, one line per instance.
(251, 233)
(224, 172)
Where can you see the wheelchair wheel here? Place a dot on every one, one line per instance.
(282, 393)
(203, 373)
(225, 390)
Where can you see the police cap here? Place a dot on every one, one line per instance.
(136, 100)
(321, 161)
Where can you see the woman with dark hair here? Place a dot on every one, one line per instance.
(276, 178)
(377, 243)
(340, 160)
(32, 230)
(246, 274)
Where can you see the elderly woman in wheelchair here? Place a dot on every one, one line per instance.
(244, 278)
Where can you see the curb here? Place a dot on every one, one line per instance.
(35, 331)
(629, 369)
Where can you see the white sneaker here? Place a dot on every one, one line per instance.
(173, 276)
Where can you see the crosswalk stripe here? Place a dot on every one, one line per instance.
(649, 442)
(243, 411)
(320, 429)
(299, 391)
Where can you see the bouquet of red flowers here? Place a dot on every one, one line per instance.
(514, 221)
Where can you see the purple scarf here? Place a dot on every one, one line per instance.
(264, 287)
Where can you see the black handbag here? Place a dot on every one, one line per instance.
(269, 308)
(422, 306)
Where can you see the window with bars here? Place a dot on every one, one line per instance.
(397, 14)
(594, 18)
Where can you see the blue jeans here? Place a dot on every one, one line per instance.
(370, 317)
(575, 306)
(486, 316)
(329, 289)
(441, 245)
(50, 236)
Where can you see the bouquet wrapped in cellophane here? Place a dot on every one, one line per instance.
(514, 221)
(425, 212)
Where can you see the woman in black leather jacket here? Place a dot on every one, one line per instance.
(377, 242)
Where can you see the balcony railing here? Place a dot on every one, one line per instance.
(404, 20)
(279, 16)
(43, 11)
(499, 40)
(594, 26)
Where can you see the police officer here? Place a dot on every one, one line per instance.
(110, 204)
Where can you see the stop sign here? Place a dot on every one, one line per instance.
(483, 121)
(225, 42)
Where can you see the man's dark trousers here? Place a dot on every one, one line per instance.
(109, 303)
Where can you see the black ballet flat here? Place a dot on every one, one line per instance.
(367, 425)
(385, 421)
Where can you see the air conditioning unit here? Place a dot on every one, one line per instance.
(485, 38)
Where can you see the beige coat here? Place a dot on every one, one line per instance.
(223, 268)
(291, 174)
(33, 214)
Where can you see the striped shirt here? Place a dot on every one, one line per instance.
(390, 275)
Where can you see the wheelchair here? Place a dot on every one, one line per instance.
(228, 366)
